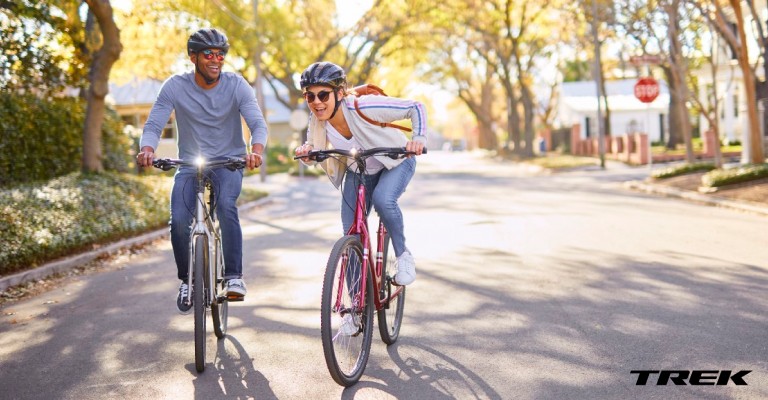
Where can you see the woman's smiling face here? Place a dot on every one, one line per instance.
(321, 101)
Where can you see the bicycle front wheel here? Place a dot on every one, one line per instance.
(219, 306)
(391, 316)
(346, 319)
(198, 293)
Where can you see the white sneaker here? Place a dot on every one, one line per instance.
(236, 288)
(348, 326)
(406, 269)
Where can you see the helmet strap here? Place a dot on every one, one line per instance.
(338, 103)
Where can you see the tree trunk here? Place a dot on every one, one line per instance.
(675, 129)
(103, 59)
(678, 72)
(755, 142)
(528, 114)
(487, 137)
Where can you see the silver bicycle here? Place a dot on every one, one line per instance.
(206, 258)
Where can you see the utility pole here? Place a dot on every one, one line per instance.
(599, 83)
(260, 85)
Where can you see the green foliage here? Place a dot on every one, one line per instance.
(27, 61)
(40, 222)
(682, 170)
(43, 138)
(279, 158)
(744, 173)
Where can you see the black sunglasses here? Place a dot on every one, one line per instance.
(322, 95)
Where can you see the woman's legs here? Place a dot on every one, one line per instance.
(391, 185)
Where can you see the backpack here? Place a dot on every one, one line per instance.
(371, 89)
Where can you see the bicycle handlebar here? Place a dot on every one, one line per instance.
(167, 164)
(391, 152)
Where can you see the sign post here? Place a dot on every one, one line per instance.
(298, 122)
(647, 90)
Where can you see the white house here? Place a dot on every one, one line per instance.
(728, 84)
(578, 105)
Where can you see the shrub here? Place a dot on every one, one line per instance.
(682, 170)
(43, 138)
(41, 222)
(744, 173)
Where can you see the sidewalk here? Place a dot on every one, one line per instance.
(709, 199)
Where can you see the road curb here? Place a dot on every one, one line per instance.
(697, 197)
(68, 263)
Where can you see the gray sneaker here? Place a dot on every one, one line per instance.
(406, 269)
(184, 300)
(236, 288)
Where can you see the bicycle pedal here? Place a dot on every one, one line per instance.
(235, 297)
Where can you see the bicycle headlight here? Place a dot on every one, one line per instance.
(199, 161)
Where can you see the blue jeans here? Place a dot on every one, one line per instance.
(383, 189)
(227, 185)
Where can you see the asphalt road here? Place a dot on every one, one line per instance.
(529, 286)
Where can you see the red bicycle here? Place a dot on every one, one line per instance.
(355, 286)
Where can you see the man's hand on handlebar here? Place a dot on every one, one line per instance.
(145, 156)
(253, 160)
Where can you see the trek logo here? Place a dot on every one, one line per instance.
(695, 377)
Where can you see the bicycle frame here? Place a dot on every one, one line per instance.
(376, 268)
(203, 224)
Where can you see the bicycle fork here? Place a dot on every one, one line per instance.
(199, 229)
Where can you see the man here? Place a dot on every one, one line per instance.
(208, 104)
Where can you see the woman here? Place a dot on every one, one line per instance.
(334, 123)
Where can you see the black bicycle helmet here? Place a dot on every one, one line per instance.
(207, 38)
(323, 73)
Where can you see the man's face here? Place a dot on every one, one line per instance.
(209, 62)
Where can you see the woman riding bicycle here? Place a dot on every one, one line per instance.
(335, 123)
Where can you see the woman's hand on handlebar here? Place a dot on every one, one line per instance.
(414, 146)
(302, 151)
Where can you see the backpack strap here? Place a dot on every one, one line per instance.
(381, 124)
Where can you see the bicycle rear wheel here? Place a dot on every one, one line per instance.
(391, 316)
(346, 322)
(219, 306)
(198, 293)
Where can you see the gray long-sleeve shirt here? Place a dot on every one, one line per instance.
(208, 121)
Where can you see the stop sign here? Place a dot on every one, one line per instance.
(646, 89)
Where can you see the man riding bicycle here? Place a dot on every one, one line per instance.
(208, 104)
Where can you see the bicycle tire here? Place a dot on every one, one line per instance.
(346, 355)
(198, 292)
(219, 308)
(391, 316)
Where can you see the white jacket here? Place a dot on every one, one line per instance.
(377, 108)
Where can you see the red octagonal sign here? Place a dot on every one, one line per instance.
(646, 89)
